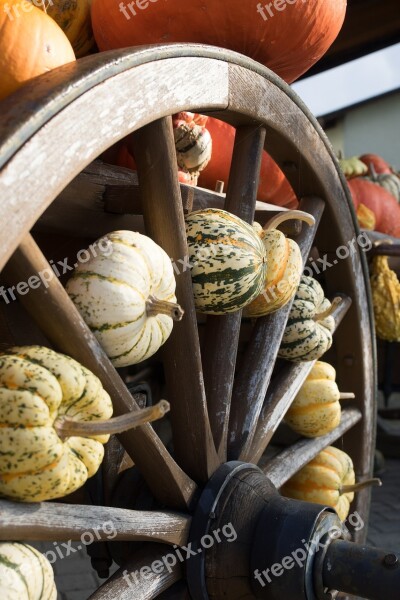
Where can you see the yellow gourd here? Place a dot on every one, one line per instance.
(386, 300)
(54, 420)
(284, 265)
(316, 409)
(328, 479)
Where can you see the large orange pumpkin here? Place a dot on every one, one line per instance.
(273, 188)
(31, 43)
(380, 202)
(288, 36)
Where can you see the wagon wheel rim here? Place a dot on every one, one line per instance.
(268, 115)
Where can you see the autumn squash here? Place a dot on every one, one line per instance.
(74, 18)
(289, 38)
(379, 164)
(389, 181)
(127, 297)
(25, 573)
(316, 409)
(31, 43)
(365, 217)
(385, 288)
(328, 479)
(308, 333)
(284, 266)
(353, 167)
(384, 206)
(193, 146)
(273, 187)
(228, 261)
(36, 386)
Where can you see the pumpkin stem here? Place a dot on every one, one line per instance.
(298, 215)
(329, 311)
(373, 173)
(347, 396)
(156, 307)
(66, 427)
(357, 487)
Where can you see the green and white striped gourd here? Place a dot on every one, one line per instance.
(308, 334)
(127, 296)
(228, 261)
(25, 574)
(38, 385)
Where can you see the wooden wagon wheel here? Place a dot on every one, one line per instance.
(50, 132)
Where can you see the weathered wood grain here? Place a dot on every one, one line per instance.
(58, 318)
(281, 468)
(61, 522)
(104, 198)
(222, 332)
(154, 149)
(282, 392)
(255, 373)
(137, 579)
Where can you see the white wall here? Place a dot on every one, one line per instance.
(371, 128)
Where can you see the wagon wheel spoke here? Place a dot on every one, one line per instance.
(222, 332)
(58, 318)
(282, 392)
(194, 446)
(283, 466)
(136, 579)
(57, 521)
(252, 383)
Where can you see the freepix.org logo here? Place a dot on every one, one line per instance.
(270, 9)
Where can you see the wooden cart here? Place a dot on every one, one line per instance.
(227, 390)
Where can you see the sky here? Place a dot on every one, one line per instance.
(351, 83)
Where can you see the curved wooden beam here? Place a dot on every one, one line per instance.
(51, 521)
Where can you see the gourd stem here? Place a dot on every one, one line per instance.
(374, 174)
(329, 311)
(347, 396)
(156, 307)
(66, 427)
(357, 487)
(298, 215)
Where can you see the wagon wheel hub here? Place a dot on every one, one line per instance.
(282, 548)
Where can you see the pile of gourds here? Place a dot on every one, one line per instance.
(44, 35)
(375, 190)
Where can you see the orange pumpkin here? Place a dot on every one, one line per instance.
(31, 43)
(380, 202)
(288, 36)
(273, 188)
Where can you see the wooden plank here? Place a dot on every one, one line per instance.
(61, 322)
(106, 198)
(283, 466)
(154, 149)
(282, 393)
(256, 370)
(137, 578)
(222, 332)
(50, 521)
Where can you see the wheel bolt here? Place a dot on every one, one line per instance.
(391, 560)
